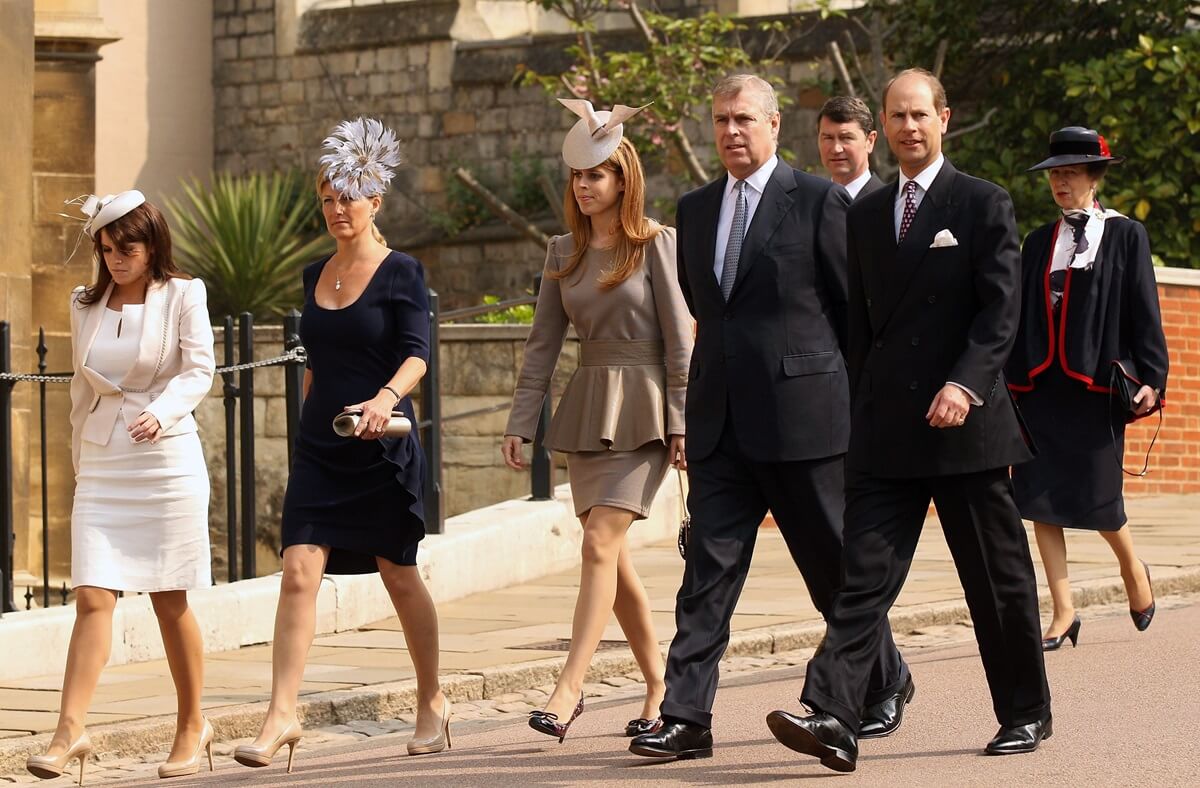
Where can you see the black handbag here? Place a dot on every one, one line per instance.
(1123, 386)
(685, 525)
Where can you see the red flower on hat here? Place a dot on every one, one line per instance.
(1103, 146)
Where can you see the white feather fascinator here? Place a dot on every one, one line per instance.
(360, 157)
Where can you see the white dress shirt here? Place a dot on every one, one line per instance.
(924, 180)
(755, 185)
(855, 186)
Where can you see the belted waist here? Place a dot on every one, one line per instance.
(621, 352)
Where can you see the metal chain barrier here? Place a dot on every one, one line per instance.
(296, 355)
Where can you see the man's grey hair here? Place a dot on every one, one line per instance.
(736, 83)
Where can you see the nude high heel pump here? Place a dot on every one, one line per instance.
(50, 766)
(191, 765)
(249, 755)
(437, 743)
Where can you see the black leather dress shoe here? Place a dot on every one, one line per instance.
(821, 735)
(1021, 738)
(884, 718)
(675, 739)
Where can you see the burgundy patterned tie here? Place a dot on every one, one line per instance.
(910, 208)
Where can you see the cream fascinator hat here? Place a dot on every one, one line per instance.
(99, 212)
(360, 158)
(593, 139)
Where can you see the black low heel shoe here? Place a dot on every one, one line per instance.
(1072, 633)
(1142, 618)
(547, 722)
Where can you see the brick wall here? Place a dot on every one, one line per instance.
(1175, 461)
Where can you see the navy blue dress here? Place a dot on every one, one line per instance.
(360, 498)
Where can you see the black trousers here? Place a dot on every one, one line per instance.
(729, 498)
(991, 553)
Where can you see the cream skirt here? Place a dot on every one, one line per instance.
(140, 520)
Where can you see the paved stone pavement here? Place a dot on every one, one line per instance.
(501, 650)
(945, 728)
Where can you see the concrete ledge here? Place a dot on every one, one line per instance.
(386, 701)
(490, 548)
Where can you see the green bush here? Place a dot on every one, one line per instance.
(514, 314)
(1124, 67)
(248, 237)
(1160, 183)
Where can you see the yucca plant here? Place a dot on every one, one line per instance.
(247, 237)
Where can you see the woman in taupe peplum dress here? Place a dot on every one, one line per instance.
(620, 419)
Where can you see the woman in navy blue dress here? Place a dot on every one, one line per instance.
(353, 505)
(1089, 299)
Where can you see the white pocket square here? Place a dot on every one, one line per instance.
(943, 238)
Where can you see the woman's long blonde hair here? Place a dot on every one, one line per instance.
(635, 229)
(323, 178)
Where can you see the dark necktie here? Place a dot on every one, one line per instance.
(910, 208)
(1077, 222)
(733, 249)
(1058, 279)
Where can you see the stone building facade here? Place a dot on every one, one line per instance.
(431, 71)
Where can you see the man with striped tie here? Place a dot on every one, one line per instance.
(934, 303)
(762, 263)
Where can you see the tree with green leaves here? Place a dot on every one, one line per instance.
(1018, 70)
(677, 63)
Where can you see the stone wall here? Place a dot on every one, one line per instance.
(279, 92)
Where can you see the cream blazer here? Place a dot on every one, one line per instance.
(172, 374)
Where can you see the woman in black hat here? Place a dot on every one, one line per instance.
(1089, 300)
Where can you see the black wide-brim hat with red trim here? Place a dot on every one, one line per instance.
(1076, 145)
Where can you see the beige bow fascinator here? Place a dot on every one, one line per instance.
(593, 139)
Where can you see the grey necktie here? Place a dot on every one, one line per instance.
(733, 249)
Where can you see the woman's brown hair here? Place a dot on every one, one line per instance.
(144, 224)
(635, 229)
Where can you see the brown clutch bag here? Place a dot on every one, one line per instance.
(398, 426)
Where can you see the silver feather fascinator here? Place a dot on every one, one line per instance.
(360, 156)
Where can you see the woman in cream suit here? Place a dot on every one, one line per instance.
(620, 419)
(142, 353)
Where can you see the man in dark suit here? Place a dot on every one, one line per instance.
(845, 138)
(934, 277)
(761, 255)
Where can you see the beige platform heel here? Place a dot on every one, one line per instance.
(249, 755)
(191, 765)
(50, 766)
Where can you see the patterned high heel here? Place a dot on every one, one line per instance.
(50, 766)
(249, 755)
(547, 722)
(1142, 618)
(191, 765)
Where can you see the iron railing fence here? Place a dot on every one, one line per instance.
(237, 374)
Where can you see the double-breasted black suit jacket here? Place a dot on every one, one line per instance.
(921, 317)
(772, 357)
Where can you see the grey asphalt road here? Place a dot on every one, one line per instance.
(1126, 713)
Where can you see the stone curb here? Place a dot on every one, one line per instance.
(389, 700)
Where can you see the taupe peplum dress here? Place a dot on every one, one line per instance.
(626, 398)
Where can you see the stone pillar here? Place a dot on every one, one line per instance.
(69, 34)
(16, 213)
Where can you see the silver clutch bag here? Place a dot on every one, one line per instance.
(344, 424)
